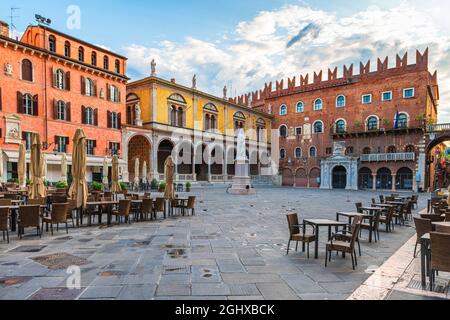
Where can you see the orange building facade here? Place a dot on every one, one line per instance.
(52, 84)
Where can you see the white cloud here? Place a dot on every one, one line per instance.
(295, 40)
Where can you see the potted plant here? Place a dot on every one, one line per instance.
(386, 122)
(97, 186)
(123, 185)
(61, 185)
(162, 186)
(188, 186)
(28, 181)
(154, 184)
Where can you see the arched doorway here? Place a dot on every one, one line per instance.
(287, 177)
(404, 179)
(437, 170)
(384, 179)
(365, 179)
(201, 168)
(339, 177)
(301, 178)
(314, 178)
(184, 153)
(216, 159)
(231, 156)
(138, 147)
(164, 151)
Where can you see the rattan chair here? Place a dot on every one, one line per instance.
(146, 208)
(447, 217)
(57, 216)
(189, 206)
(5, 202)
(159, 207)
(433, 217)
(59, 198)
(72, 206)
(345, 245)
(12, 196)
(123, 211)
(414, 200)
(440, 255)
(359, 207)
(388, 219)
(381, 199)
(374, 201)
(29, 217)
(423, 226)
(4, 217)
(442, 229)
(39, 201)
(299, 236)
(174, 205)
(372, 226)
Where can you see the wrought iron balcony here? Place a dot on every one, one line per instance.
(386, 157)
(438, 127)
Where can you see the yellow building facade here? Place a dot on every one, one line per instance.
(196, 128)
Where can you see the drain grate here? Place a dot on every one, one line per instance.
(60, 261)
(29, 249)
(439, 285)
(56, 294)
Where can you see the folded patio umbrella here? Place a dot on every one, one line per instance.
(1, 166)
(64, 167)
(22, 166)
(115, 175)
(144, 172)
(169, 167)
(105, 180)
(136, 173)
(79, 189)
(44, 166)
(37, 188)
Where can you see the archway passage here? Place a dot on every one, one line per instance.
(384, 179)
(301, 178)
(314, 178)
(339, 177)
(365, 179)
(437, 172)
(138, 148)
(404, 179)
(164, 151)
(287, 178)
(201, 168)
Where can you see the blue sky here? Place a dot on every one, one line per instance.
(243, 44)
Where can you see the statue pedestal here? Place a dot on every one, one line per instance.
(139, 123)
(241, 184)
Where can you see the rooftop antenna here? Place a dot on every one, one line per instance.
(11, 17)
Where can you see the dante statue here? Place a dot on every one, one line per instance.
(241, 154)
(153, 65)
(194, 82)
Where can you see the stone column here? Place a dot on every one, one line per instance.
(374, 181)
(155, 157)
(393, 182)
(209, 169)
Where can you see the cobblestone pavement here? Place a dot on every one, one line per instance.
(233, 248)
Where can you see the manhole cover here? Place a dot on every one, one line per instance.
(177, 253)
(10, 281)
(111, 273)
(56, 294)
(28, 249)
(60, 261)
(439, 286)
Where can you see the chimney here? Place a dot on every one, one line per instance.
(173, 80)
(4, 29)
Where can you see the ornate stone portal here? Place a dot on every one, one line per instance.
(338, 165)
(241, 184)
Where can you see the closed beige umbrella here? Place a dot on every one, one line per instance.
(37, 188)
(1, 167)
(22, 166)
(64, 167)
(144, 172)
(79, 189)
(44, 166)
(169, 167)
(136, 173)
(105, 180)
(115, 175)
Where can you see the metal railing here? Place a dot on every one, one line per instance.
(438, 127)
(385, 157)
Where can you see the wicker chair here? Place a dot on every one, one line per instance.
(344, 245)
(57, 216)
(414, 200)
(440, 255)
(447, 216)
(423, 226)
(372, 226)
(408, 211)
(12, 196)
(432, 217)
(399, 214)
(189, 206)
(442, 229)
(159, 207)
(28, 218)
(174, 205)
(387, 219)
(4, 214)
(5, 202)
(146, 208)
(382, 199)
(123, 211)
(359, 207)
(72, 206)
(374, 201)
(299, 236)
(40, 201)
(59, 198)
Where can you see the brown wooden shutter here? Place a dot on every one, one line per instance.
(67, 141)
(1, 106)
(108, 115)
(56, 141)
(94, 143)
(108, 92)
(53, 77)
(96, 117)
(129, 115)
(95, 88)
(68, 112)
(83, 85)
(119, 95)
(110, 146)
(36, 105)
(119, 120)
(68, 80)
(55, 109)
(19, 102)
(83, 115)
(24, 135)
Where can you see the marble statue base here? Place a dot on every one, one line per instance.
(241, 184)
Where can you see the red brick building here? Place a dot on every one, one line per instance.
(52, 84)
(356, 131)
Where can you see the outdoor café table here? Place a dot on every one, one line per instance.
(351, 215)
(109, 204)
(396, 203)
(371, 210)
(446, 225)
(382, 205)
(424, 258)
(317, 223)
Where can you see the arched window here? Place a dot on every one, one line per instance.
(282, 153)
(318, 127)
(298, 153)
(340, 101)
(60, 79)
(28, 104)
(27, 70)
(105, 62)
(89, 90)
(391, 149)
(94, 58)
(52, 44)
(67, 49)
(372, 123)
(283, 131)
(318, 104)
(173, 116)
(61, 112)
(402, 121)
(89, 115)
(180, 117)
(349, 151)
(312, 152)
(213, 122)
(367, 150)
(340, 126)
(300, 107)
(283, 110)
(81, 54)
(207, 122)
(239, 120)
(410, 148)
(210, 112)
(117, 66)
